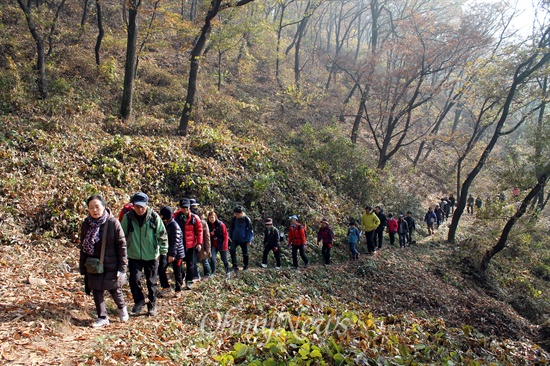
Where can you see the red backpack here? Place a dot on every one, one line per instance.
(127, 208)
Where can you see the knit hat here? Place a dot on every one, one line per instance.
(140, 199)
(166, 212)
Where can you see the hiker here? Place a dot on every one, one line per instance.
(515, 192)
(241, 234)
(369, 223)
(402, 230)
(146, 240)
(470, 204)
(271, 243)
(103, 259)
(392, 228)
(430, 219)
(354, 236)
(379, 232)
(219, 240)
(439, 214)
(452, 202)
(478, 203)
(411, 224)
(205, 252)
(175, 255)
(297, 240)
(444, 204)
(191, 227)
(326, 237)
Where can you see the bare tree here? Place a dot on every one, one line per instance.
(215, 7)
(30, 16)
(537, 59)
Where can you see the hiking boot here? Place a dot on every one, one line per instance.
(177, 295)
(137, 307)
(264, 265)
(188, 285)
(164, 292)
(123, 314)
(100, 322)
(245, 268)
(152, 309)
(234, 269)
(196, 279)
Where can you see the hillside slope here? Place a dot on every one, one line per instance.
(401, 306)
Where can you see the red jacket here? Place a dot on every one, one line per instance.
(218, 235)
(392, 225)
(192, 229)
(297, 234)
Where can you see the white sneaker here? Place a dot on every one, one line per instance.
(277, 267)
(264, 265)
(101, 322)
(123, 314)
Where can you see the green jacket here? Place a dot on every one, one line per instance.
(148, 241)
(369, 222)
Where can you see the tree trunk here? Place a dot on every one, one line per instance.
(194, 68)
(357, 121)
(41, 55)
(100, 33)
(129, 69)
(501, 244)
(84, 16)
(342, 117)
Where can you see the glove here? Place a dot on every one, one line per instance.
(275, 249)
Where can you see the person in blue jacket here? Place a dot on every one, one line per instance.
(430, 219)
(241, 234)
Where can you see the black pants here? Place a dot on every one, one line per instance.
(392, 238)
(137, 269)
(99, 300)
(378, 238)
(326, 253)
(410, 236)
(163, 266)
(190, 264)
(370, 241)
(276, 253)
(302, 249)
(233, 251)
(223, 254)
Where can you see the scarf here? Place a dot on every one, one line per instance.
(92, 236)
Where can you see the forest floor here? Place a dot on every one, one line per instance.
(45, 316)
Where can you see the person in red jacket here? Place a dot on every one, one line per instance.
(326, 236)
(191, 228)
(392, 228)
(297, 240)
(219, 240)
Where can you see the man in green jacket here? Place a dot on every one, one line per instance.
(146, 240)
(369, 223)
